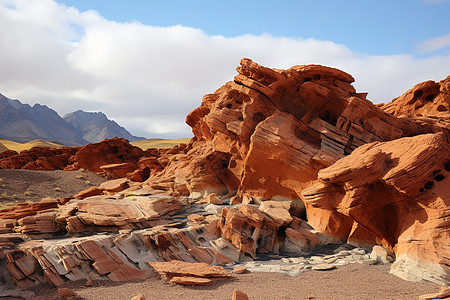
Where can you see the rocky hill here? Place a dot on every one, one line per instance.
(23, 123)
(282, 161)
(95, 126)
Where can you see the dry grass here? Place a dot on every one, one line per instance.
(10, 145)
(159, 143)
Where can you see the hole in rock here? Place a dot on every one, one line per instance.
(239, 101)
(224, 165)
(422, 190)
(436, 171)
(232, 164)
(317, 77)
(115, 150)
(447, 166)
(441, 108)
(258, 117)
(439, 177)
(281, 232)
(121, 156)
(430, 97)
(418, 93)
(241, 119)
(429, 185)
(298, 89)
(307, 79)
(229, 106)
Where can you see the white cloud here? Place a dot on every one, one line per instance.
(148, 78)
(434, 44)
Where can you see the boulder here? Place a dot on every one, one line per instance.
(397, 195)
(382, 255)
(118, 170)
(110, 151)
(114, 186)
(189, 273)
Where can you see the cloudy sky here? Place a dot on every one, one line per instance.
(147, 63)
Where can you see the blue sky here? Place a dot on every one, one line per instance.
(372, 27)
(147, 64)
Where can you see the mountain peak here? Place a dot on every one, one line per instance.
(23, 123)
(95, 126)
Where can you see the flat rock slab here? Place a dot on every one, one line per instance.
(181, 268)
(323, 267)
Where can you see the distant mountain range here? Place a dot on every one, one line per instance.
(23, 123)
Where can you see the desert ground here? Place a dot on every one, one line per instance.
(25, 185)
(354, 281)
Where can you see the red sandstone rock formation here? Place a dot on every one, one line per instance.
(267, 133)
(275, 143)
(115, 157)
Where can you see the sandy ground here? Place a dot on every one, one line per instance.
(25, 185)
(354, 281)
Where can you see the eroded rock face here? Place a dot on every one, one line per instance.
(281, 161)
(394, 194)
(427, 98)
(267, 133)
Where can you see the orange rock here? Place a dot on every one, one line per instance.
(211, 199)
(118, 170)
(138, 297)
(278, 211)
(38, 158)
(92, 191)
(240, 270)
(444, 293)
(427, 98)
(239, 295)
(386, 188)
(110, 151)
(196, 218)
(186, 273)
(115, 186)
(22, 210)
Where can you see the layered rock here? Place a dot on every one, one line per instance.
(393, 194)
(281, 161)
(267, 133)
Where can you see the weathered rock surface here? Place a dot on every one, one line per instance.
(283, 161)
(90, 157)
(394, 194)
